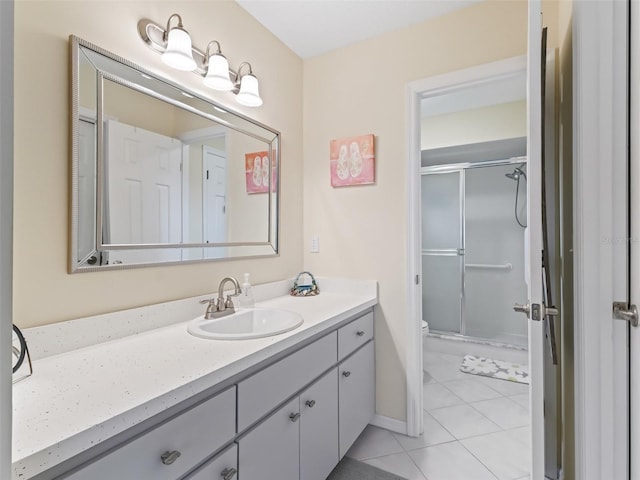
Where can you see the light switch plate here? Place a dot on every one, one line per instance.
(315, 243)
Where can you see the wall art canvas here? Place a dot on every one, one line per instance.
(257, 172)
(352, 161)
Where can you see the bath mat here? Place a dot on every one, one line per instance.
(513, 372)
(350, 469)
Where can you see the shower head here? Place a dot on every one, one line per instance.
(515, 175)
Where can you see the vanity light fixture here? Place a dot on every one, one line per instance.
(248, 93)
(178, 50)
(174, 44)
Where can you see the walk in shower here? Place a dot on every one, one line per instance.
(473, 245)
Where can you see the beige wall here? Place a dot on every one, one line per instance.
(363, 229)
(43, 290)
(495, 122)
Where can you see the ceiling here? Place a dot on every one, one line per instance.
(314, 27)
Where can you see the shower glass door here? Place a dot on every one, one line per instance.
(473, 250)
(442, 251)
(494, 254)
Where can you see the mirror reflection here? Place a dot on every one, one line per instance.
(161, 175)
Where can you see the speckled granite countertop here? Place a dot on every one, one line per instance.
(78, 398)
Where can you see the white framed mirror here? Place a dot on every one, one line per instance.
(162, 175)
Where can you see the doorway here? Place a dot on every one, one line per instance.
(450, 84)
(473, 192)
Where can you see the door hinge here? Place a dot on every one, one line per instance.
(207, 174)
(417, 279)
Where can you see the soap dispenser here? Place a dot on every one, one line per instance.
(246, 297)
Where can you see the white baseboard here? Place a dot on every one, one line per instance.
(388, 423)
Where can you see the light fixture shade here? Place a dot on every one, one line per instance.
(178, 53)
(218, 74)
(249, 94)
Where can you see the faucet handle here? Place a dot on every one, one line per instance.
(212, 306)
(229, 302)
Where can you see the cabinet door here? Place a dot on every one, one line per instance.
(222, 466)
(271, 451)
(319, 428)
(356, 392)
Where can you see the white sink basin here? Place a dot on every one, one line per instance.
(246, 324)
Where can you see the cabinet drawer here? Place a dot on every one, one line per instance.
(196, 434)
(355, 334)
(262, 392)
(222, 466)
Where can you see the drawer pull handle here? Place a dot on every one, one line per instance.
(347, 373)
(294, 417)
(360, 333)
(229, 473)
(169, 457)
(310, 403)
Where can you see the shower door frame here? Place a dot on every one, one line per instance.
(460, 251)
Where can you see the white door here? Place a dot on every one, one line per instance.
(634, 270)
(145, 192)
(533, 255)
(214, 198)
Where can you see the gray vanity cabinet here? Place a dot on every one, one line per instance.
(292, 419)
(271, 451)
(319, 428)
(356, 387)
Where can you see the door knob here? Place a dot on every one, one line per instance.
(526, 309)
(536, 311)
(623, 311)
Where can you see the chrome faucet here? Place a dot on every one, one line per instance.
(219, 307)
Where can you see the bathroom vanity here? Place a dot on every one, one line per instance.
(163, 404)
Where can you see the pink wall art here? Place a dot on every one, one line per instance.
(352, 161)
(257, 172)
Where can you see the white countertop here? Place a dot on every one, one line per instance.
(79, 398)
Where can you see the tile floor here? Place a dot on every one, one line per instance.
(475, 428)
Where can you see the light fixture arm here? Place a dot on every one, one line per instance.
(242, 65)
(166, 31)
(238, 76)
(207, 53)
